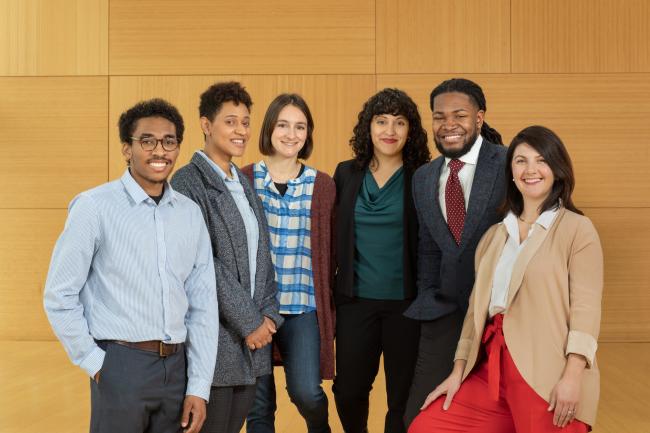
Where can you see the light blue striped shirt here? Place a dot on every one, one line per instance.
(250, 221)
(127, 269)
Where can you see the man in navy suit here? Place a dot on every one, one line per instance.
(456, 198)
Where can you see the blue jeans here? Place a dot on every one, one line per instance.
(299, 342)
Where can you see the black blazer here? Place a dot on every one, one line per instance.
(446, 270)
(349, 178)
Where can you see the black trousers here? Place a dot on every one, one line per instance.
(138, 392)
(366, 328)
(228, 407)
(438, 341)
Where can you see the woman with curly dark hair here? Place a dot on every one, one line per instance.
(376, 245)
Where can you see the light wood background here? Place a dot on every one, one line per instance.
(68, 68)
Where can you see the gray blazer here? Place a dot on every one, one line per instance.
(445, 269)
(239, 314)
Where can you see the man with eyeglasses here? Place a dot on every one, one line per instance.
(131, 289)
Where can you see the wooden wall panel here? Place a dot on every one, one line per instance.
(54, 139)
(334, 100)
(581, 67)
(602, 119)
(53, 37)
(156, 37)
(443, 36)
(28, 237)
(625, 236)
(580, 36)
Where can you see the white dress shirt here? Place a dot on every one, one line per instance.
(503, 271)
(465, 175)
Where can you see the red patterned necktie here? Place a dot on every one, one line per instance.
(454, 200)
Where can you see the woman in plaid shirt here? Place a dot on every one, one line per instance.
(298, 202)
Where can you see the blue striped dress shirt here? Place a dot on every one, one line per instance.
(127, 269)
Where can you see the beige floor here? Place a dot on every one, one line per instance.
(40, 392)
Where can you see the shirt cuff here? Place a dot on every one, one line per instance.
(93, 362)
(462, 351)
(199, 388)
(583, 344)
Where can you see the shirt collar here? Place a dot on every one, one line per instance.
(261, 166)
(545, 220)
(219, 170)
(138, 195)
(470, 157)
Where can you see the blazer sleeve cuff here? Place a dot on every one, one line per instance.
(583, 344)
(462, 351)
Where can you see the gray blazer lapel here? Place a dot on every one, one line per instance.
(230, 217)
(234, 224)
(482, 186)
(209, 176)
(262, 243)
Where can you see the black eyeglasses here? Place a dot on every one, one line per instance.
(150, 143)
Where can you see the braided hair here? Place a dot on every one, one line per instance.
(475, 93)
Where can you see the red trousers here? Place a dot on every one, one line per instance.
(493, 399)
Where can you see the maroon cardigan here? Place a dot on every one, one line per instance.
(322, 214)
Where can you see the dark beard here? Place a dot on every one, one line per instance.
(453, 154)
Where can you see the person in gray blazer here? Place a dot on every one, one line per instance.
(246, 289)
(456, 198)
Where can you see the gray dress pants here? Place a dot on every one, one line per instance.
(138, 392)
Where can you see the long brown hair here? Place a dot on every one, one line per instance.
(549, 145)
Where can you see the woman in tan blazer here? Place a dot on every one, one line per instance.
(526, 355)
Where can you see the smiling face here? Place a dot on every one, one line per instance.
(457, 122)
(150, 169)
(290, 132)
(532, 175)
(227, 134)
(388, 134)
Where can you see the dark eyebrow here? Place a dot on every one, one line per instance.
(454, 111)
(149, 134)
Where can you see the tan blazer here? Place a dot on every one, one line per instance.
(554, 305)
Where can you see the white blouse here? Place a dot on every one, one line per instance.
(503, 271)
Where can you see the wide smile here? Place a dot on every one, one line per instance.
(532, 181)
(452, 138)
(240, 142)
(159, 165)
(290, 143)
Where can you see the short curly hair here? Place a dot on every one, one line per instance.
(218, 94)
(395, 102)
(150, 108)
